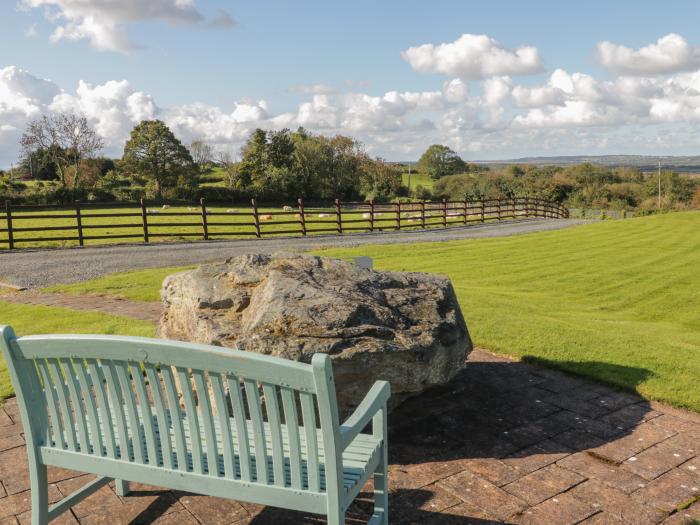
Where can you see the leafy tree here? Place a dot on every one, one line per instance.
(439, 160)
(154, 153)
(66, 140)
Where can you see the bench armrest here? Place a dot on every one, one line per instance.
(374, 401)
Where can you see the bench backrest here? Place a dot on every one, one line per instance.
(113, 396)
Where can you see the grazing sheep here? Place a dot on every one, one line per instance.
(323, 215)
(266, 217)
(153, 211)
(287, 208)
(191, 208)
(231, 210)
(366, 215)
(166, 206)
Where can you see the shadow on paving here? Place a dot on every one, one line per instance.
(495, 408)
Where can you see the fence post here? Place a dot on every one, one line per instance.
(398, 215)
(422, 214)
(8, 216)
(144, 220)
(338, 217)
(371, 215)
(499, 208)
(465, 209)
(512, 202)
(444, 213)
(79, 221)
(205, 227)
(482, 209)
(302, 219)
(256, 218)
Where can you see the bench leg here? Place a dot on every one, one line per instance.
(121, 487)
(40, 493)
(381, 473)
(337, 518)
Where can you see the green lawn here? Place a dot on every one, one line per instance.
(27, 320)
(617, 301)
(139, 285)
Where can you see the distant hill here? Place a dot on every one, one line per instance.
(643, 162)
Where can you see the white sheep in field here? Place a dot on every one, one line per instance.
(323, 215)
(366, 215)
(153, 211)
(231, 210)
(191, 208)
(266, 218)
(287, 208)
(166, 206)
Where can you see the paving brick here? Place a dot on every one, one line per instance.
(535, 457)
(587, 426)
(676, 423)
(416, 476)
(670, 491)
(416, 506)
(583, 407)
(684, 516)
(560, 510)
(66, 518)
(9, 442)
(134, 510)
(5, 418)
(590, 467)
(9, 520)
(654, 461)
(636, 440)
(543, 484)
(483, 494)
(102, 500)
(462, 514)
(602, 518)
(22, 501)
(616, 503)
(492, 469)
(214, 511)
(630, 416)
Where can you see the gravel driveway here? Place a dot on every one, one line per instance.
(37, 268)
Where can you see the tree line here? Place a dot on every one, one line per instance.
(60, 163)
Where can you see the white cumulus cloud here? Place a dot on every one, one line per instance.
(105, 22)
(669, 54)
(473, 57)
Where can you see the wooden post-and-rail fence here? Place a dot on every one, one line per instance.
(84, 222)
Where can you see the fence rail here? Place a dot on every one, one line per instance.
(200, 221)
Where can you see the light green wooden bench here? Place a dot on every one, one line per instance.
(195, 418)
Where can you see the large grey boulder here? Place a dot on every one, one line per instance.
(406, 328)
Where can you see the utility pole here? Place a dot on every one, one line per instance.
(659, 185)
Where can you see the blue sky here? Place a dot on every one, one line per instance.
(173, 58)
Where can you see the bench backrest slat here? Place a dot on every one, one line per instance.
(252, 396)
(146, 415)
(223, 411)
(98, 381)
(308, 411)
(291, 419)
(273, 416)
(174, 407)
(88, 394)
(200, 384)
(242, 442)
(56, 425)
(65, 411)
(156, 387)
(75, 401)
(181, 406)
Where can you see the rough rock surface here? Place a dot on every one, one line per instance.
(406, 328)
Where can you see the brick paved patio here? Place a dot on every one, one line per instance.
(505, 442)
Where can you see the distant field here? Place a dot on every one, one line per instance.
(418, 179)
(615, 301)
